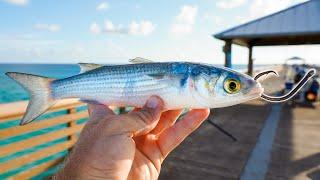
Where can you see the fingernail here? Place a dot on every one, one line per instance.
(152, 102)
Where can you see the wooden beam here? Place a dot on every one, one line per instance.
(31, 157)
(250, 62)
(36, 170)
(17, 130)
(37, 140)
(15, 110)
(276, 40)
(227, 49)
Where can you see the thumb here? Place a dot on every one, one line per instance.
(138, 122)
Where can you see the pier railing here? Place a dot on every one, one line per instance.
(29, 150)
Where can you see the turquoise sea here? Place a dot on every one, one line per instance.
(10, 92)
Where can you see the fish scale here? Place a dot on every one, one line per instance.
(119, 82)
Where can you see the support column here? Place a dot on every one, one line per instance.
(250, 62)
(227, 49)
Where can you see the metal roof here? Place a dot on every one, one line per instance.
(299, 24)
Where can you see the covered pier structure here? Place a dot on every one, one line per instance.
(296, 25)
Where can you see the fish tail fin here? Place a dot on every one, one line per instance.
(40, 94)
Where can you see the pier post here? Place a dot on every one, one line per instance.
(72, 124)
(250, 61)
(122, 110)
(227, 49)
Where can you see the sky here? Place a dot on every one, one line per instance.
(113, 31)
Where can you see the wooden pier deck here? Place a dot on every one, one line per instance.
(296, 149)
(209, 154)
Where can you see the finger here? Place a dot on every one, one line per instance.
(135, 110)
(140, 122)
(173, 136)
(167, 119)
(98, 111)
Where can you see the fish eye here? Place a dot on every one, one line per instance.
(232, 86)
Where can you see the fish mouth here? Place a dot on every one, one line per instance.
(256, 91)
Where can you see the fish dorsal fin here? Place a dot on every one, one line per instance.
(138, 60)
(84, 67)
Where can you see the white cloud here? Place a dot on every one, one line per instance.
(109, 27)
(229, 4)
(260, 8)
(17, 2)
(95, 28)
(142, 28)
(102, 6)
(48, 27)
(185, 20)
(187, 14)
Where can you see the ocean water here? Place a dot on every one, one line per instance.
(11, 92)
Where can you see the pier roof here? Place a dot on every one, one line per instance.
(299, 24)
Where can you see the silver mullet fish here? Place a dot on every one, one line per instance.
(179, 84)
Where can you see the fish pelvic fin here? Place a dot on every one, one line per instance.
(40, 94)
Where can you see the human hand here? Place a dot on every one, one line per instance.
(128, 146)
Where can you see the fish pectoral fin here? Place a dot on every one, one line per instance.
(84, 67)
(90, 101)
(139, 60)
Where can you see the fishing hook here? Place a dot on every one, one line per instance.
(292, 93)
(264, 73)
